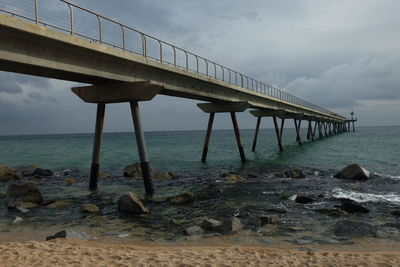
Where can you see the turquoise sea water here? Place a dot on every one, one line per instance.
(376, 148)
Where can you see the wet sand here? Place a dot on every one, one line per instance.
(68, 252)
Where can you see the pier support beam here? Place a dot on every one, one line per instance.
(237, 134)
(278, 132)
(144, 161)
(208, 135)
(313, 132)
(297, 126)
(319, 130)
(232, 108)
(309, 130)
(256, 134)
(98, 136)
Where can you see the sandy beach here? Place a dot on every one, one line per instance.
(83, 253)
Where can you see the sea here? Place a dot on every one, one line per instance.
(262, 193)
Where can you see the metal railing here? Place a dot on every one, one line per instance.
(84, 23)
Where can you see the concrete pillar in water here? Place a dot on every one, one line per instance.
(208, 135)
(98, 136)
(237, 135)
(278, 133)
(144, 161)
(256, 134)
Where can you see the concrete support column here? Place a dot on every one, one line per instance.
(313, 132)
(237, 134)
(353, 127)
(144, 161)
(297, 126)
(208, 135)
(98, 136)
(309, 130)
(278, 132)
(319, 130)
(256, 134)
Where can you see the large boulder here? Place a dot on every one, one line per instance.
(134, 170)
(355, 229)
(18, 193)
(80, 235)
(293, 173)
(304, 199)
(8, 174)
(351, 206)
(211, 224)
(230, 225)
(353, 172)
(193, 230)
(33, 170)
(130, 203)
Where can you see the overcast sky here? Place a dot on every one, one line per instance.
(337, 54)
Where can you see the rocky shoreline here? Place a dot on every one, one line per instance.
(221, 206)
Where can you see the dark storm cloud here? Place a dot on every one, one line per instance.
(11, 82)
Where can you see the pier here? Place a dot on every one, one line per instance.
(136, 67)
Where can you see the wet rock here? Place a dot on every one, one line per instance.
(229, 226)
(70, 181)
(161, 175)
(394, 213)
(224, 174)
(130, 203)
(59, 203)
(33, 170)
(71, 234)
(179, 221)
(211, 224)
(17, 220)
(352, 207)
(134, 171)
(293, 173)
(277, 210)
(331, 212)
(234, 178)
(3, 195)
(355, 229)
(294, 228)
(104, 175)
(305, 240)
(22, 209)
(92, 208)
(252, 175)
(194, 230)
(48, 202)
(353, 172)
(27, 192)
(273, 219)
(8, 174)
(184, 198)
(304, 199)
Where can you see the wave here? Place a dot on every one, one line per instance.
(366, 197)
(394, 177)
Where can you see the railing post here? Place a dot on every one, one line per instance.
(123, 36)
(37, 11)
(100, 35)
(71, 18)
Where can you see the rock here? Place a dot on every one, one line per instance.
(33, 170)
(211, 224)
(92, 208)
(353, 172)
(293, 173)
(71, 234)
(8, 174)
(161, 175)
(130, 203)
(193, 230)
(351, 206)
(22, 209)
(273, 219)
(59, 203)
(355, 229)
(277, 210)
(179, 221)
(3, 195)
(294, 228)
(224, 174)
(17, 220)
(234, 178)
(17, 193)
(331, 212)
(48, 202)
(304, 199)
(134, 170)
(394, 213)
(123, 235)
(70, 181)
(231, 225)
(252, 175)
(184, 198)
(104, 175)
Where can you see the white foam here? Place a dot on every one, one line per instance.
(365, 197)
(394, 177)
